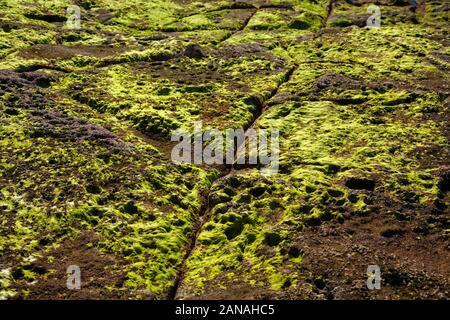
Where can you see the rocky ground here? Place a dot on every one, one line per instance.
(86, 176)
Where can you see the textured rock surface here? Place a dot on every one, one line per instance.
(86, 176)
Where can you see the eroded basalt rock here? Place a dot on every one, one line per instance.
(55, 124)
(194, 51)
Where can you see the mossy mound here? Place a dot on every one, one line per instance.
(86, 176)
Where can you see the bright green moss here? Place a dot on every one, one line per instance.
(339, 118)
(349, 103)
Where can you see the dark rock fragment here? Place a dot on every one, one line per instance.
(194, 51)
(444, 182)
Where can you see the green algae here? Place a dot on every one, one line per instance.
(338, 120)
(357, 106)
(159, 105)
(127, 222)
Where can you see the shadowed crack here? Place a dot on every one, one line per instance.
(243, 26)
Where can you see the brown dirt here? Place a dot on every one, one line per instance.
(50, 51)
(98, 271)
